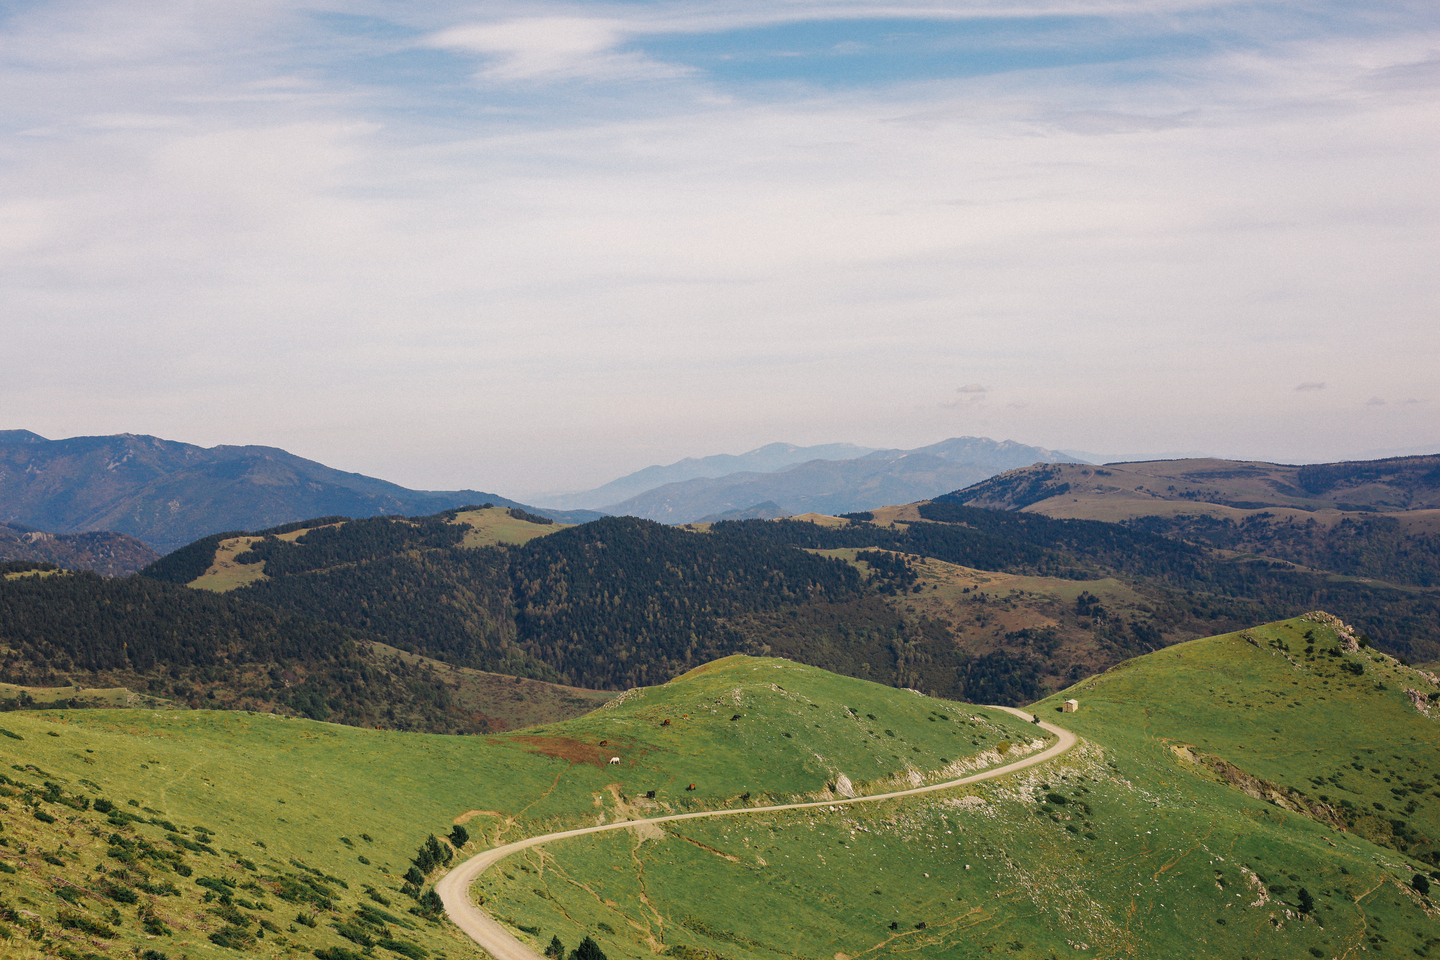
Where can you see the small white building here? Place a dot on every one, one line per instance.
(1070, 706)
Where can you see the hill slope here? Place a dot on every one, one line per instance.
(1398, 484)
(81, 632)
(108, 554)
(953, 600)
(169, 494)
(245, 832)
(1375, 520)
(1172, 830)
(1133, 845)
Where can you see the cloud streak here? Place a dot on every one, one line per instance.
(411, 246)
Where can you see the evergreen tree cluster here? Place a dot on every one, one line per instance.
(357, 541)
(621, 601)
(212, 650)
(87, 622)
(1188, 578)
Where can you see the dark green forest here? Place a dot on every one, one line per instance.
(1374, 545)
(1184, 577)
(211, 650)
(621, 602)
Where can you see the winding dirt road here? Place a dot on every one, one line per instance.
(454, 887)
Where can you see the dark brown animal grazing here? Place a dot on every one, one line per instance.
(691, 787)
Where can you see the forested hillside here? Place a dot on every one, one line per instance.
(110, 554)
(1182, 578)
(1377, 546)
(611, 604)
(216, 651)
(962, 602)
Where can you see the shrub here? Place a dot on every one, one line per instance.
(77, 921)
(120, 894)
(588, 950)
(161, 889)
(353, 933)
(459, 836)
(337, 953)
(1421, 884)
(430, 905)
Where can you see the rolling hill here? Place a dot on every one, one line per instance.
(953, 600)
(1371, 522)
(1121, 490)
(108, 554)
(1265, 793)
(77, 639)
(1175, 829)
(168, 494)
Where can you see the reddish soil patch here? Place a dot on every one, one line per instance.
(564, 748)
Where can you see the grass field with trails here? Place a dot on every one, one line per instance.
(1127, 847)
(274, 801)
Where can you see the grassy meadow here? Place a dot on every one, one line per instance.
(233, 831)
(1267, 794)
(1129, 846)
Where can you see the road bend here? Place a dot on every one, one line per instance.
(454, 887)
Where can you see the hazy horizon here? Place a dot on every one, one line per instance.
(534, 246)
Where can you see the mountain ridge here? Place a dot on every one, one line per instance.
(168, 493)
(766, 459)
(878, 478)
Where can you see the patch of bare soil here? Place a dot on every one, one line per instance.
(469, 815)
(566, 748)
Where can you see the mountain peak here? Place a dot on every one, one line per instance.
(21, 436)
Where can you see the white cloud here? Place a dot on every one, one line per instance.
(554, 48)
(418, 280)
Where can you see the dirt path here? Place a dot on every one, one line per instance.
(454, 887)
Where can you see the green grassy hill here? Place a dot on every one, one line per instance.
(235, 825)
(1298, 713)
(1238, 796)
(1178, 828)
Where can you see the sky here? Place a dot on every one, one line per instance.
(522, 246)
